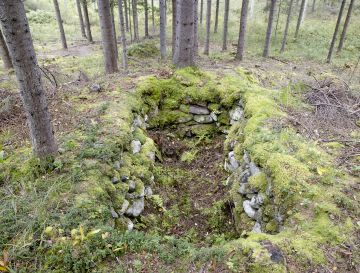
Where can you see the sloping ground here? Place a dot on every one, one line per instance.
(71, 215)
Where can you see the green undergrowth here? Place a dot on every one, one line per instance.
(55, 214)
(146, 49)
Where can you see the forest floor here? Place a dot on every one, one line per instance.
(321, 104)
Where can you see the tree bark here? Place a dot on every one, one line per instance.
(18, 37)
(4, 52)
(313, 6)
(269, 28)
(331, 49)
(82, 25)
(251, 9)
(87, 21)
(201, 11)
(107, 35)
(277, 19)
(283, 44)
(112, 4)
(347, 20)
(242, 32)
(184, 49)
(162, 30)
(60, 23)
(130, 22)
(146, 19)
(123, 36)
(226, 20)
(135, 19)
(216, 16)
(208, 23)
(174, 23)
(152, 16)
(126, 16)
(302, 8)
(196, 29)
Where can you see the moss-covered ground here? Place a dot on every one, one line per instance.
(55, 215)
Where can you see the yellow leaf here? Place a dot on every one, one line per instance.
(3, 269)
(320, 170)
(48, 230)
(93, 232)
(81, 229)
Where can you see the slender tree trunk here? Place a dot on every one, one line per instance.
(347, 20)
(304, 13)
(269, 28)
(82, 26)
(251, 10)
(146, 19)
(18, 37)
(107, 35)
(60, 23)
(226, 19)
(283, 44)
(4, 52)
(112, 4)
(123, 35)
(162, 29)
(302, 8)
(313, 6)
(87, 21)
(277, 19)
(152, 16)
(174, 23)
(242, 32)
(208, 23)
(130, 22)
(126, 16)
(135, 19)
(196, 29)
(201, 11)
(184, 49)
(216, 16)
(331, 49)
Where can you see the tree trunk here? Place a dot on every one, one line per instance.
(302, 8)
(107, 35)
(216, 16)
(331, 49)
(242, 32)
(130, 27)
(226, 20)
(304, 13)
(123, 35)
(18, 37)
(146, 19)
(82, 26)
(269, 28)
(87, 21)
(347, 20)
(112, 4)
(313, 6)
(196, 29)
(208, 23)
(287, 27)
(251, 9)
(184, 49)
(60, 23)
(135, 19)
(126, 16)
(201, 11)
(4, 52)
(152, 16)
(162, 30)
(174, 23)
(277, 19)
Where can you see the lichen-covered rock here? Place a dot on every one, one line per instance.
(204, 119)
(236, 114)
(198, 110)
(135, 146)
(249, 210)
(136, 208)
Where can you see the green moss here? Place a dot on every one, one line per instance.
(143, 50)
(258, 182)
